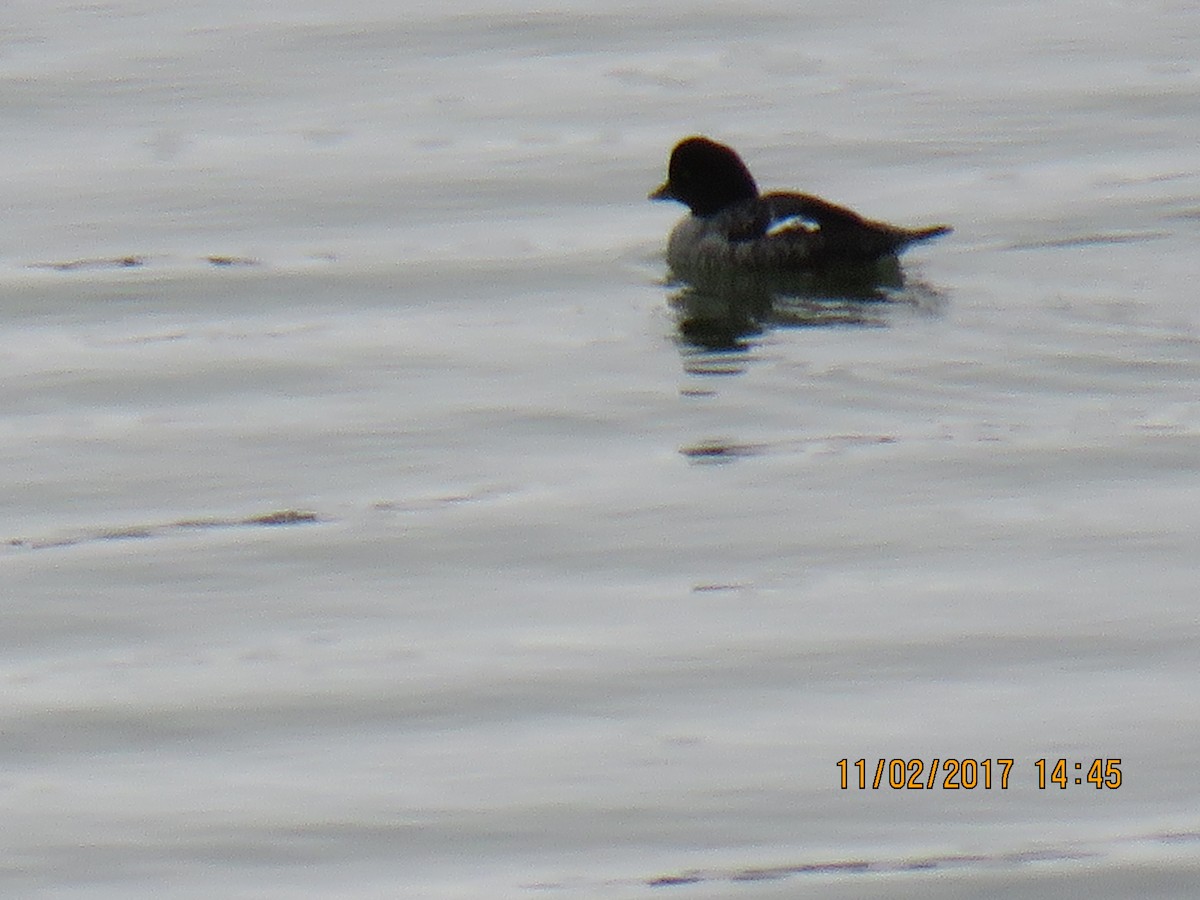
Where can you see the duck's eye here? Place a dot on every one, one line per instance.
(793, 223)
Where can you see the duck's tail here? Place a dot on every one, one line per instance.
(913, 235)
(882, 240)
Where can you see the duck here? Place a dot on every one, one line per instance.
(732, 229)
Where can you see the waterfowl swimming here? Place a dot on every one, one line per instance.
(733, 229)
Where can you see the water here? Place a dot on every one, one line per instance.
(373, 528)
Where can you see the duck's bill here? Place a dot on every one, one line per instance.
(662, 192)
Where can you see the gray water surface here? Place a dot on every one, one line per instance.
(375, 526)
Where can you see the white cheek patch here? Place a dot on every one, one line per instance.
(789, 224)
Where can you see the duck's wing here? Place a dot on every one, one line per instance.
(840, 233)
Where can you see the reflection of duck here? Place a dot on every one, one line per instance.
(727, 320)
(735, 231)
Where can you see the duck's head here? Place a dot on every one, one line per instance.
(706, 177)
